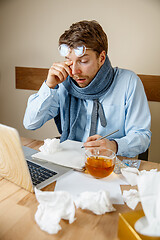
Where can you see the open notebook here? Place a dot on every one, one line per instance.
(17, 165)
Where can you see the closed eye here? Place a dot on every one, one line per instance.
(84, 61)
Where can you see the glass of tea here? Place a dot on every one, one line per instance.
(100, 163)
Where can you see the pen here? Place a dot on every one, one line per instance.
(104, 136)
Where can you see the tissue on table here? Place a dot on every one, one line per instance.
(68, 153)
(51, 146)
(131, 174)
(97, 202)
(53, 206)
(131, 198)
(149, 191)
(148, 183)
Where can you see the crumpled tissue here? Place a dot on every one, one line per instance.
(149, 191)
(131, 198)
(148, 183)
(68, 153)
(97, 202)
(131, 174)
(51, 146)
(53, 206)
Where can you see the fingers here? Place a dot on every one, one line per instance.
(101, 145)
(93, 138)
(92, 144)
(65, 66)
(58, 73)
(92, 141)
(68, 62)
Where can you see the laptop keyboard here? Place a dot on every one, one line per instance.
(38, 173)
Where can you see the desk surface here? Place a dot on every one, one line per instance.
(18, 207)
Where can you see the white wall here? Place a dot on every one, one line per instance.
(29, 32)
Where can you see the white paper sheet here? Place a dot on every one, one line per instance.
(71, 155)
(76, 183)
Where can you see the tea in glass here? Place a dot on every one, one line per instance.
(100, 164)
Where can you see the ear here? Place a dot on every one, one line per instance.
(102, 57)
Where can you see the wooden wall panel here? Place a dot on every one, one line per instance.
(32, 79)
(151, 85)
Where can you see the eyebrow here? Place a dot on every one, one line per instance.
(85, 55)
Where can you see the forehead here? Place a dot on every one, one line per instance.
(89, 53)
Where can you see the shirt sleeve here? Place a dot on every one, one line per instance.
(41, 107)
(137, 121)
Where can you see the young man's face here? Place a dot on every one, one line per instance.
(86, 67)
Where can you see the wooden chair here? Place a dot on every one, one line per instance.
(151, 85)
(32, 78)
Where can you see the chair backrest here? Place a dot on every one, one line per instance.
(32, 79)
(151, 85)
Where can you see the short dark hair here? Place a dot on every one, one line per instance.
(88, 33)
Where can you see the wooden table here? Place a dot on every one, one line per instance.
(18, 207)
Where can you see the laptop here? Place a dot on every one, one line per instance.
(18, 166)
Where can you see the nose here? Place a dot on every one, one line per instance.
(75, 69)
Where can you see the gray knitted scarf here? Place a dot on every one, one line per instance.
(97, 88)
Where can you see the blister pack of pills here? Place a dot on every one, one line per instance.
(125, 163)
(132, 163)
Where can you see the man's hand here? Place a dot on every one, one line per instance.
(100, 144)
(58, 73)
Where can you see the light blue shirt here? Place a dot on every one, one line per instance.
(125, 106)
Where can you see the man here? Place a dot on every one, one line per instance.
(88, 98)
